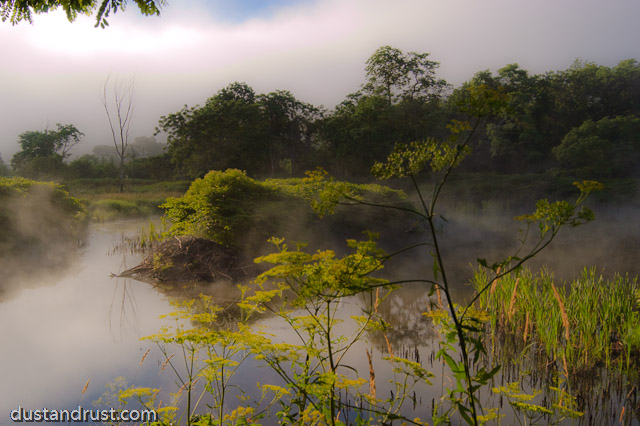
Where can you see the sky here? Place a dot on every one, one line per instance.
(54, 71)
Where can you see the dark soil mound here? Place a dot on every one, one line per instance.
(191, 259)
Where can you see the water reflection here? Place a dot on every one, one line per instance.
(54, 334)
(66, 327)
(123, 309)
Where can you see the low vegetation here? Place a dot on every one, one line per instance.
(233, 209)
(586, 323)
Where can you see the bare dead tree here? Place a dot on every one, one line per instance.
(119, 107)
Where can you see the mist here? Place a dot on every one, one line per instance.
(54, 70)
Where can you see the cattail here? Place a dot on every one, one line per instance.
(86, 386)
(621, 414)
(372, 376)
(563, 313)
(144, 356)
(166, 361)
(526, 328)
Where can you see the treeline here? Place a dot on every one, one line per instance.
(583, 121)
(44, 155)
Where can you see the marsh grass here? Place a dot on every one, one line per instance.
(90, 186)
(141, 199)
(110, 206)
(590, 322)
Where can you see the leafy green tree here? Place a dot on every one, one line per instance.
(291, 127)
(398, 76)
(157, 167)
(144, 146)
(228, 131)
(43, 153)
(105, 153)
(400, 102)
(605, 148)
(23, 10)
(544, 108)
(238, 129)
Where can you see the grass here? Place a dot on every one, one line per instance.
(588, 323)
(141, 199)
(89, 186)
(105, 207)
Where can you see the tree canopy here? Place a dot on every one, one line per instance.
(605, 148)
(43, 152)
(23, 10)
(546, 107)
(236, 128)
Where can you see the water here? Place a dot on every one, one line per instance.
(77, 325)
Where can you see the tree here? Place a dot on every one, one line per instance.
(606, 148)
(44, 152)
(399, 76)
(106, 153)
(23, 10)
(400, 102)
(144, 146)
(238, 129)
(544, 108)
(90, 166)
(227, 132)
(119, 116)
(290, 125)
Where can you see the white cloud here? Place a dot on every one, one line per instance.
(316, 50)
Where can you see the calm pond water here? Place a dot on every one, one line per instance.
(68, 328)
(65, 329)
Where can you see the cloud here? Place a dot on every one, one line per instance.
(315, 49)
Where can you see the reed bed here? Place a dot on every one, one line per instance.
(587, 323)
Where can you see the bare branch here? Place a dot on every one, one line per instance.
(119, 115)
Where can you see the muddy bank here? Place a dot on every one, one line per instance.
(188, 259)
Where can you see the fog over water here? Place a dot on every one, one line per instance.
(75, 326)
(81, 324)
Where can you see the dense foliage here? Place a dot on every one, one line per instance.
(233, 209)
(402, 101)
(609, 147)
(238, 129)
(559, 123)
(43, 153)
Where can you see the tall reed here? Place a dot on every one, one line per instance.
(587, 322)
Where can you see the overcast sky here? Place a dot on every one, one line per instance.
(53, 71)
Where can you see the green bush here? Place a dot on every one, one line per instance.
(226, 206)
(233, 209)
